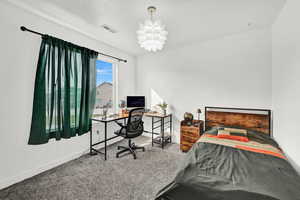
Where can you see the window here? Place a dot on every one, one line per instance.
(105, 87)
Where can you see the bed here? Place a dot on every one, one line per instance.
(226, 169)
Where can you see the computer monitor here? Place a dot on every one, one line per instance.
(135, 101)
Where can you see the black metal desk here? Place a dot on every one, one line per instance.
(160, 119)
(112, 118)
(162, 139)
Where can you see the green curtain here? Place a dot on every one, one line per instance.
(64, 93)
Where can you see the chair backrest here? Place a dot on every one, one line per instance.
(135, 124)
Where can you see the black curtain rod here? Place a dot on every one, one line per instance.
(23, 28)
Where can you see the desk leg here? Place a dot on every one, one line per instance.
(152, 130)
(171, 123)
(91, 140)
(105, 141)
(162, 132)
(92, 152)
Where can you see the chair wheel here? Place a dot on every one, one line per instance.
(117, 156)
(143, 149)
(118, 148)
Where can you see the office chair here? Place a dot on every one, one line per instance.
(133, 129)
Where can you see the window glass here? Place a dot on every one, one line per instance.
(105, 87)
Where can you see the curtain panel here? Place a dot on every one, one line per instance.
(64, 93)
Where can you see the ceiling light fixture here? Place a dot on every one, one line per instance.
(152, 34)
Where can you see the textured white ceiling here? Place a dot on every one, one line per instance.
(186, 21)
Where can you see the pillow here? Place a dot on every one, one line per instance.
(225, 134)
(236, 130)
(212, 131)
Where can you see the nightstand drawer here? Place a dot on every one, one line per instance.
(190, 132)
(189, 128)
(189, 138)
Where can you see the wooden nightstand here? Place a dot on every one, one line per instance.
(189, 134)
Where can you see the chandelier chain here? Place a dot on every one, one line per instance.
(151, 10)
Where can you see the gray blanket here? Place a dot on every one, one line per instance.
(217, 172)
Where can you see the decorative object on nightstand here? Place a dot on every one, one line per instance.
(190, 132)
(199, 112)
(163, 106)
(188, 118)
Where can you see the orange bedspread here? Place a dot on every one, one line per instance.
(248, 146)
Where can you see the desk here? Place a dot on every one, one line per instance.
(106, 120)
(116, 117)
(161, 119)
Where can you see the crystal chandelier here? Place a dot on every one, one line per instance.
(152, 34)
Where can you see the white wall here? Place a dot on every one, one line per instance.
(231, 71)
(286, 79)
(19, 54)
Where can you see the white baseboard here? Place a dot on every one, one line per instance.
(30, 173)
(27, 174)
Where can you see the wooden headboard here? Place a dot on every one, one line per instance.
(253, 119)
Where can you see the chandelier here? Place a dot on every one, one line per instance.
(152, 34)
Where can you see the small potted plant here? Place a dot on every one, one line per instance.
(122, 106)
(163, 106)
(105, 110)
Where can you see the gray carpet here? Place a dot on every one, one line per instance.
(90, 177)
